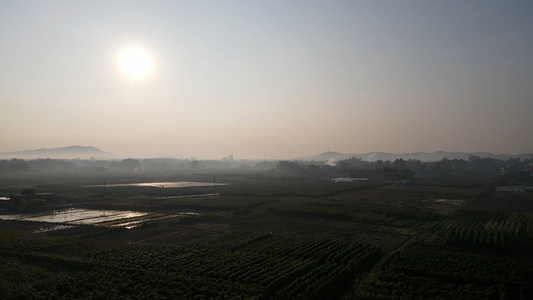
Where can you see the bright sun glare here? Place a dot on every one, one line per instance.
(135, 63)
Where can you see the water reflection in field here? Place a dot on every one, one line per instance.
(169, 184)
(75, 216)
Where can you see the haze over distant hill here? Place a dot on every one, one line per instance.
(88, 152)
(422, 156)
(70, 152)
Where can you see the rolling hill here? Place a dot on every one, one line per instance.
(71, 152)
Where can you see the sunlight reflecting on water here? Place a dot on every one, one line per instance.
(75, 216)
(169, 184)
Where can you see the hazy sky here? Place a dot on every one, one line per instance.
(268, 79)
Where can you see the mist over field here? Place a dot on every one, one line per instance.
(89, 152)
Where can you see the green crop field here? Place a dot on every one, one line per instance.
(266, 236)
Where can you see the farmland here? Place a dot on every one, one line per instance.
(255, 235)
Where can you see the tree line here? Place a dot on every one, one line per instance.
(405, 169)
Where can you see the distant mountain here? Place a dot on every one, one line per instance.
(422, 156)
(328, 156)
(71, 152)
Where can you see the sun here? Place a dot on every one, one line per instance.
(135, 63)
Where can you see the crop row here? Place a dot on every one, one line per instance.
(479, 215)
(485, 229)
(231, 265)
(500, 232)
(416, 274)
(357, 212)
(462, 267)
(262, 263)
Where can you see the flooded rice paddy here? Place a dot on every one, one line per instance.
(70, 217)
(169, 184)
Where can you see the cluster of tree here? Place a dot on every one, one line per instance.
(400, 169)
(130, 165)
(29, 200)
(14, 165)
